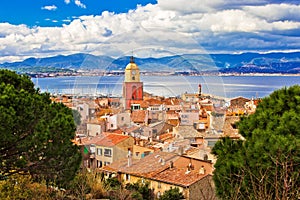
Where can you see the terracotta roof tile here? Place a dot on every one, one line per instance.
(156, 166)
(118, 131)
(179, 176)
(154, 102)
(172, 101)
(111, 140)
(90, 140)
(138, 116)
(143, 104)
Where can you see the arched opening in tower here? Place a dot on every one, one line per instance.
(134, 92)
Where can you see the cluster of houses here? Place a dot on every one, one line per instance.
(164, 141)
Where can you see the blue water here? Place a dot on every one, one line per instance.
(226, 86)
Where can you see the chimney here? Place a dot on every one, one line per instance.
(187, 170)
(202, 170)
(129, 156)
(190, 166)
(171, 164)
(205, 157)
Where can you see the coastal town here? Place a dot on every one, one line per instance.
(166, 141)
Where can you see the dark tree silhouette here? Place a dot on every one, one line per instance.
(36, 134)
(266, 164)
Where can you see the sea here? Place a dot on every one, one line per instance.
(169, 86)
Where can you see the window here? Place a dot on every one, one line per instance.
(146, 153)
(107, 152)
(135, 107)
(106, 163)
(122, 118)
(154, 131)
(234, 126)
(137, 153)
(99, 163)
(158, 194)
(158, 185)
(99, 152)
(192, 140)
(111, 125)
(211, 143)
(127, 177)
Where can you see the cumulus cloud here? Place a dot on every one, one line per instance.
(53, 7)
(162, 29)
(79, 4)
(205, 6)
(275, 12)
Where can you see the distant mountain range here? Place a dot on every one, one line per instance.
(191, 63)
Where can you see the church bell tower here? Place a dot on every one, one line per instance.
(132, 86)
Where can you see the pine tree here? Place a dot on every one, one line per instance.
(36, 134)
(266, 164)
(172, 194)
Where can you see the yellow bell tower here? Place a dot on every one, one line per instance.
(132, 86)
(132, 72)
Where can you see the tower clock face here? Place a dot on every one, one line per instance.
(133, 72)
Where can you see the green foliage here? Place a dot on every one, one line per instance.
(23, 187)
(113, 183)
(266, 165)
(140, 190)
(172, 194)
(18, 81)
(36, 134)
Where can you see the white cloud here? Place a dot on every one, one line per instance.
(205, 6)
(53, 7)
(160, 29)
(66, 20)
(79, 4)
(275, 12)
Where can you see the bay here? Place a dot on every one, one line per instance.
(224, 86)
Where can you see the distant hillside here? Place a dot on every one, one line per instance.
(225, 63)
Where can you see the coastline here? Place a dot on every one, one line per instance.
(82, 74)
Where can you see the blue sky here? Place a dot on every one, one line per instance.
(149, 28)
(58, 12)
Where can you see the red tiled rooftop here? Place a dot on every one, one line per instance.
(166, 136)
(111, 140)
(130, 129)
(172, 101)
(138, 116)
(154, 101)
(90, 140)
(118, 131)
(142, 103)
(156, 167)
(179, 176)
